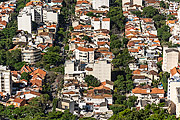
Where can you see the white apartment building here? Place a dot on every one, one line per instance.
(106, 23)
(50, 16)
(174, 91)
(30, 55)
(102, 70)
(99, 3)
(100, 23)
(5, 80)
(36, 13)
(24, 22)
(84, 54)
(96, 23)
(170, 58)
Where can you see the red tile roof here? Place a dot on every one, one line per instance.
(85, 49)
(138, 90)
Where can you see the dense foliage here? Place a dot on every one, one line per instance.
(92, 81)
(25, 76)
(151, 112)
(116, 16)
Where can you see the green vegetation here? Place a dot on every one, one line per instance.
(171, 17)
(87, 38)
(122, 59)
(164, 33)
(34, 111)
(51, 58)
(164, 79)
(116, 16)
(25, 76)
(164, 5)
(91, 14)
(122, 102)
(159, 20)
(149, 12)
(122, 84)
(92, 81)
(151, 112)
(10, 58)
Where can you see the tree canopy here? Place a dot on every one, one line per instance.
(92, 81)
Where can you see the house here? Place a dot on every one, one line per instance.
(26, 69)
(65, 104)
(148, 93)
(18, 102)
(170, 58)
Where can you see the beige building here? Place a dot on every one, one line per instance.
(174, 89)
(132, 2)
(5, 80)
(101, 69)
(170, 58)
(174, 94)
(30, 55)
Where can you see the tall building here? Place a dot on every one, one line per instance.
(50, 16)
(24, 22)
(30, 55)
(102, 70)
(170, 58)
(174, 89)
(5, 80)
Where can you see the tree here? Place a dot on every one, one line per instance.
(159, 20)
(91, 14)
(13, 57)
(25, 76)
(87, 118)
(171, 17)
(149, 12)
(117, 18)
(52, 58)
(162, 4)
(164, 33)
(92, 81)
(19, 65)
(87, 38)
(116, 108)
(137, 13)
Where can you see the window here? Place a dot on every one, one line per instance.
(178, 91)
(66, 107)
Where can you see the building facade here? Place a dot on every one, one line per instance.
(5, 80)
(30, 55)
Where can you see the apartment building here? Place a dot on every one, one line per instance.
(97, 4)
(174, 89)
(50, 16)
(5, 80)
(24, 22)
(84, 54)
(30, 55)
(170, 58)
(102, 70)
(98, 23)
